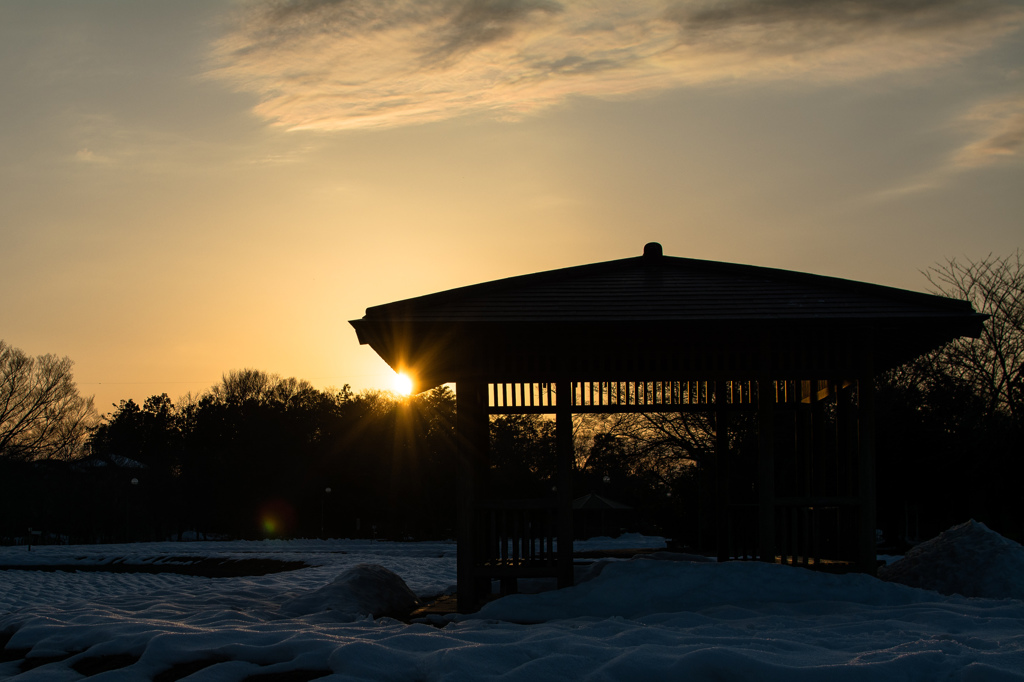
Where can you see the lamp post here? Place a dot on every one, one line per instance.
(128, 509)
(606, 479)
(323, 499)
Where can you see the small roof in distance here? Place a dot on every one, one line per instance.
(595, 501)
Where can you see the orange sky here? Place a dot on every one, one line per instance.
(193, 187)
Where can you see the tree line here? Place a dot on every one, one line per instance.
(261, 456)
(256, 456)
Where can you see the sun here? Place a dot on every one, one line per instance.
(402, 384)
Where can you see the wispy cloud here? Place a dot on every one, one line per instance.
(995, 131)
(330, 64)
(86, 155)
(1000, 127)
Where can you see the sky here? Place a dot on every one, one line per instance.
(193, 187)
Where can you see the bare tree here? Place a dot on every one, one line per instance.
(243, 385)
(41, 414)
(661, 445)
(993, 364)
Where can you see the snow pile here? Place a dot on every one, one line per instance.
(968, 560)
(361, 591)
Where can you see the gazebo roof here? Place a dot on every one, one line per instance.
(634, 305)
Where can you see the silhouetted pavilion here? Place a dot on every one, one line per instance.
(654, 333)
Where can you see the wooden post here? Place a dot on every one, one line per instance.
(472, 443)
(866, 465)
(808, 448)
(566, 456)
(722, 508)
(765, 465)
(841, 473)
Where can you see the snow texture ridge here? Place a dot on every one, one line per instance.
(669, 617)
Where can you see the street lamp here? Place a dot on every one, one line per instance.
(128, 509)
(323, 498)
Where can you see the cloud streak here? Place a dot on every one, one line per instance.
(1000, 136)
(335, 64)
(995, 129)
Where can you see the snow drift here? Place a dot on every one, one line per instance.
(969, 560)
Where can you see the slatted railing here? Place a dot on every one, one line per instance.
(816, 533)
(517, 538)
(634, 396)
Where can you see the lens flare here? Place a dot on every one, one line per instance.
(277, 519)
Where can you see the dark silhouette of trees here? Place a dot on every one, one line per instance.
(404, 456)
(663, 465)
(44, 424)
(646, 461)
(212, 464)
(255, 455)
(951, 426)
(41, 414)
(522, 456)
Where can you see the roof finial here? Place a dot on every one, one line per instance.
(652, 250)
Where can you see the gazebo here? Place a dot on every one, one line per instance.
(795, 354)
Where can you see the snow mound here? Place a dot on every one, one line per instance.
(968, 559)
(361, 591)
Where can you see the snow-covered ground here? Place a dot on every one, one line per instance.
(640, 619)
